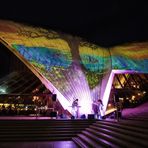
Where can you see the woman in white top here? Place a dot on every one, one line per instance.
(75, 108)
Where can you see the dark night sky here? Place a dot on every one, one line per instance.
(104, 22)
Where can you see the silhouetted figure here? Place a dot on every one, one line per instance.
(119, 108)
(9, 111)
(3, 110)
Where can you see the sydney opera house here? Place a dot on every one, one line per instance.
(72, 68)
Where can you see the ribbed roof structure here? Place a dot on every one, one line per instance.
(71, 67)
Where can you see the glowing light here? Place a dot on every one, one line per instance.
(2, 90)
(110, 111)
(109, 105)
(118, 86)
(26, 108)
(46, 107)
(121, 99)
(133, 97)
(107, 92)
(71, 67)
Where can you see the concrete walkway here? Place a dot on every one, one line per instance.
(52, 144)
(137, 113)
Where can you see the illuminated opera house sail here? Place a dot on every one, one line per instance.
(70, 67)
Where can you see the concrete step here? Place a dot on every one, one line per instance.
(79, 142)
(113, 134)
(135, 125)
(101, 138)
(45, 130)
(26, 139)
(42, 130)
(122, 131)
(124, 126)
(91, 143)
(117, 138)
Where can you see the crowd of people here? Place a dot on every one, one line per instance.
(8, 110)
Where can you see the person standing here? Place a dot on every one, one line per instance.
(119, 109)
(100, 108)
(75, 108)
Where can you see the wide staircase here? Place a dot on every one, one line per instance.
(129, 132)
(110, 133)
(41, 130)
(114, 134)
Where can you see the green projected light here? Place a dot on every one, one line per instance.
(71, 67)
(131, 57)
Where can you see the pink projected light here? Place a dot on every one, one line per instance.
(80, 90)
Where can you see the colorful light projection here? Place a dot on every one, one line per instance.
(82, 72)
(51, 56)
(130, 57)
(97, 64)
(71, 78)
